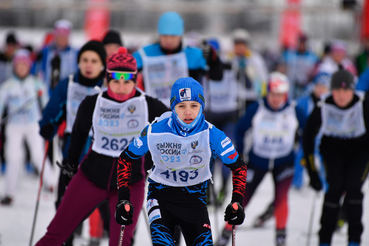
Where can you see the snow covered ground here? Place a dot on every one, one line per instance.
(16, 220)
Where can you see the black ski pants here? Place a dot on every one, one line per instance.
(345, 174)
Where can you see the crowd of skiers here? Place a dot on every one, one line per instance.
(165, 114)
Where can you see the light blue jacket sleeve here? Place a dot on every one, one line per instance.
(195, 58)
(138, 58)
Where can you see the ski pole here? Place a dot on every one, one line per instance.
(234, 210)
(311, 219)
(123, 227)
(212, 187)
(143, 210)
(39, 192)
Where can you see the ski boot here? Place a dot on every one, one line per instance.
(224, 238)
(259, 222)
(94, 241)
(281, 238)
(7, 201)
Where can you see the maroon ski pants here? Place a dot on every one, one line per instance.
(79, 200)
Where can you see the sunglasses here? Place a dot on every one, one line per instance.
(118, 75)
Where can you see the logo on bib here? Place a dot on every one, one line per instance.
(132, 124)
(195, 159)
(194, 144)
(185, 94)
(144, 132)
(131, 108)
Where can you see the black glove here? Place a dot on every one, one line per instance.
(124, 213)
(208, 52)
(234, 214)
(315, 181)
(47, 131)
(67, 170)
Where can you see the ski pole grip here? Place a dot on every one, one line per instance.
(234, 207)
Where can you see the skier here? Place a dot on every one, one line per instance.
(337, 57)
(321, 85)
(183, 147)
(300, 64)
(111, 42)
(164, 62)
(249, 67)
(59, 59)
(100, 216)
(274, 122)
(222, 110)
(6, 57)
(67, 96)
(117, 117)
(23, 95)
(342, 116)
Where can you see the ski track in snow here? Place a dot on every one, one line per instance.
(16, 220)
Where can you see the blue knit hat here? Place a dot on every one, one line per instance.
(322, 78)
(186, 89)
(214, 43)
(170, 23)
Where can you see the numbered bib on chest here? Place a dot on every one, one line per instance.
(274, 132)
(180, 161)
(22, 99)
(302, 65)
(117, 124)
(348, 123)
(76, 94)
(223, 94)
(160, 73)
